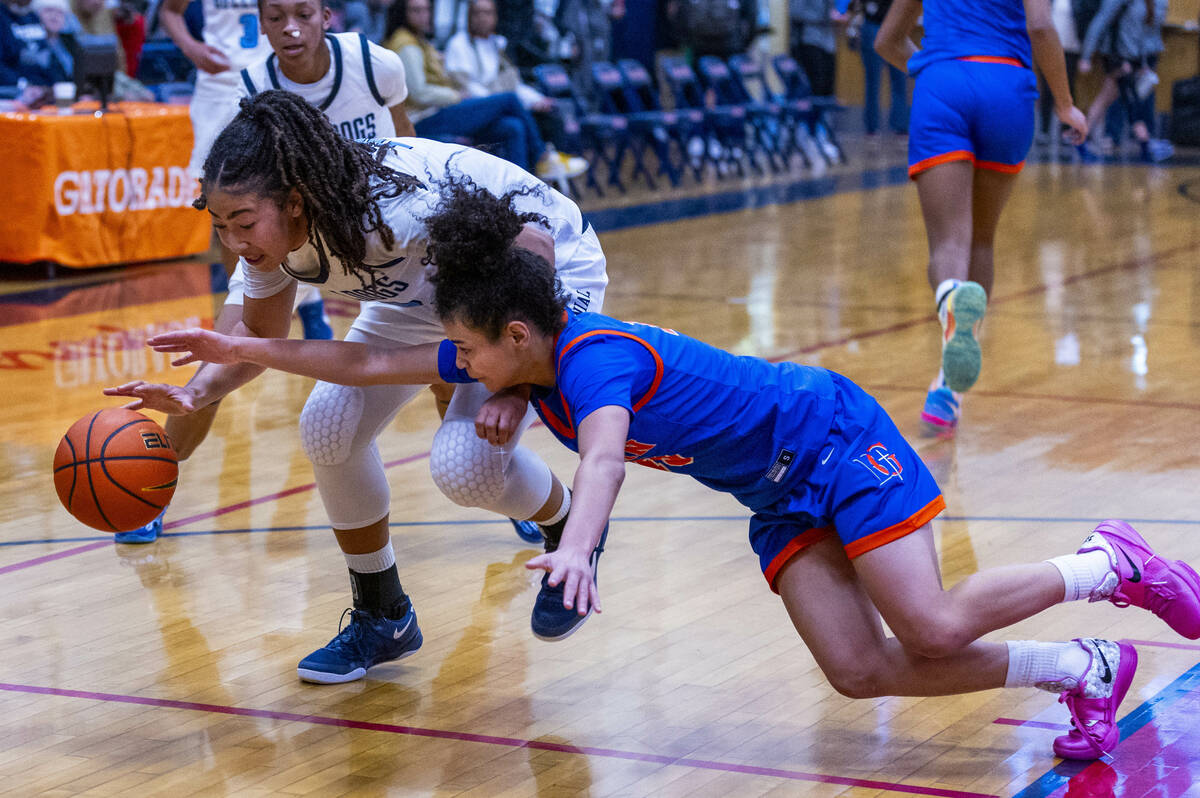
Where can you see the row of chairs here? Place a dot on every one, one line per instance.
(727, 118)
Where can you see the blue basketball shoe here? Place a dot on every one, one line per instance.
(939, 417)
(367, 640)
(314, 321)
(550, 620)
(960, 315)
(147, 534)
(527, 531)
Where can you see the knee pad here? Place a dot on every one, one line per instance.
(465, 467)
(329, 423)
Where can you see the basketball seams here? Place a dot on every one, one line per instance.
(103, 460)
(87, 448)
(73, 466)
(152, 457)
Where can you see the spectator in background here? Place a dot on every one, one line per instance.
(476, 57)
(24, 52)
(368, 17)
(813, 41)
(441, 108)
(586, 28)
(1133, 30)
(528, 27)
(1068, 34)
(873, 12)
(60, 42)
(97, 18)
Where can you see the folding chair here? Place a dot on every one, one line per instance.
(725, 124)
(606, 136)
(649, 130)
(683, 125)
(796, 115)
(766, 118)
(797, 87)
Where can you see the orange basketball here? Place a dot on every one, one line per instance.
(115, 470)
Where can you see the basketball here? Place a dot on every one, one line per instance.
(115, 470)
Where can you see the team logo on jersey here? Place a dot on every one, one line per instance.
(881, 463)
(635, 453)
(362, 127)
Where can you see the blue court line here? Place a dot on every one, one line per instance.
(1062, 773)
(626, 519)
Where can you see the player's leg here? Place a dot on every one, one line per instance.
(338, 428)
(828, 603)
(310, 307)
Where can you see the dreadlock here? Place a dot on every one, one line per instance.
(279, 142)
(481, 277)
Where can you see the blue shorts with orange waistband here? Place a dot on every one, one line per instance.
(868, 488)
(977, 108)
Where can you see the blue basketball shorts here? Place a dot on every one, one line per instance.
(868, 488)
(978, 109)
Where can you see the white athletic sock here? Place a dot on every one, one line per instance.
(372, 563)
(1053, 667)
(562, 510)
(1084, 574)
(944, 287)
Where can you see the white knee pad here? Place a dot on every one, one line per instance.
(471, 472)
(465, 467)
(329, 422)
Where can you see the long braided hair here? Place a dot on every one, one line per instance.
(279, 142)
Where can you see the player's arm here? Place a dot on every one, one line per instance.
(404, 125)
(602, 436)
(343, 362)
(534, 238)
(204, 56)
(1048, 55)
(894, 42)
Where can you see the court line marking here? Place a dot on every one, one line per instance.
(487, 739)
(1061, 775)
(626, 519)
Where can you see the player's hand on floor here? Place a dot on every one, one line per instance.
(497, 421)
(174, 400)
(573, 570)
(200, 345)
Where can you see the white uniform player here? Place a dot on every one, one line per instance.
(231, 26)
(363, 83)
(339, 424)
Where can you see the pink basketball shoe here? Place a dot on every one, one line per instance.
(1094, 699)
(1168, 588)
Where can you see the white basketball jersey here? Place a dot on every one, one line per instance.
(232, 27)
(363, 82)
(399, 270)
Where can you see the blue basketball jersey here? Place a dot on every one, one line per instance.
(740, 425)
(965, 28)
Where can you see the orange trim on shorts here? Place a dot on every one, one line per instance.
(996, 166)
(938, 160)
(874, 540)
(797, 544)
(992, 59)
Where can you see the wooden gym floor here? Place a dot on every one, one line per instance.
(169, 669)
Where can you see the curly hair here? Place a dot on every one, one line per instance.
(279, 142)
(480, 276)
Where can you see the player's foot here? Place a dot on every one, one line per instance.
(314, 321)
(147, 534)
(939, 417)
(960, 314)
(367, 640)
(527, 531)
(550, 620)
(1140, 578)
(1093, 701)
(1156, 150)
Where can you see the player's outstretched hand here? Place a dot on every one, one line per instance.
(1073, 118)
(174, 400)
(573, 570)
(497, 421)
(205, 345)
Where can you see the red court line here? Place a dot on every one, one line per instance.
(487, 739)
(17, 566)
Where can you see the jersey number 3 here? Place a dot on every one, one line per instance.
(249, 23)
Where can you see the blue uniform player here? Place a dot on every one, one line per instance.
(841, 503)
(970, 129)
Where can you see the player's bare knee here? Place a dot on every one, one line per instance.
(329, 423)
(466, 468)
(934, 636)
(860, 678)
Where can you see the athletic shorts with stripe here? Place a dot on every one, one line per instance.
(868, 488)
(978, 109)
